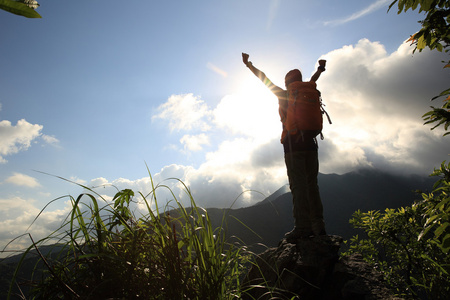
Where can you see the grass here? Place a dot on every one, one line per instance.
(103, 251)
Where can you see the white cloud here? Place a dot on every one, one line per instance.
(23, 180)
(51, 140)
(16, 138)
(238, 166)
(184, 112)
(376, 101)
(14, 203)
(98, 182)
(77, 180)
(194, 142)
(16, 216)
(359, 14)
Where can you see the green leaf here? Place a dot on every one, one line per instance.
(446, 243)
(446, 92)
(431, 220)
(440, 229)
(122, 197)
(421, 43)
(401, 6)
(392, 4)
(18, 8)
(423, 233)
(426, 5)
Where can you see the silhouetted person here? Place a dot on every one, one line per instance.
(301, 158)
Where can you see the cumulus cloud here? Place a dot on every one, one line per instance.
(78, 180)
(184, 112)
(376, 101)
(23, 180)
(238, 166)
(194, 142)
(16, 216)
(16, 138)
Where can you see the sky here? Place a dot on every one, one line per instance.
(108, 93)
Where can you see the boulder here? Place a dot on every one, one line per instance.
(312, 269)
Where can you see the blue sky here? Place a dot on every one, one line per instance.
(95, 90)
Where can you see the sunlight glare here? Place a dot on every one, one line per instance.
(252, 111)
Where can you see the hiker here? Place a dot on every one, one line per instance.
(301, 158)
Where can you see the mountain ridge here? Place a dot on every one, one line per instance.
(342, 195)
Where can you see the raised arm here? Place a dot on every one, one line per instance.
(319, 71)
(273, 88)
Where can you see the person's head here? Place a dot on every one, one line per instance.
(293, 75)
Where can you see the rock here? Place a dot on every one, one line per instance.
(311, 269)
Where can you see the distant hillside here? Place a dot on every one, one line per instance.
(341, 195)
(30, 264)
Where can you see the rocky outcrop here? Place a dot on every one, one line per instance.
(311, 269)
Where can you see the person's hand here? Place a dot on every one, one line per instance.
(322, 62)
(245, 57)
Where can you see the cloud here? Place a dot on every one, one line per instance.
(376, 101)
(23, 180)
(51, 140)
(184, 112)
(359, 14)
(237, 166)
(14, 139)
(16, 216)
(77, 180)
(194, 142)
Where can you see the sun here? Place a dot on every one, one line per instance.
(252, 110)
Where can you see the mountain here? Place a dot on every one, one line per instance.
(267, 221)
(29, 265)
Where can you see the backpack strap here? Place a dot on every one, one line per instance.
(323, 110)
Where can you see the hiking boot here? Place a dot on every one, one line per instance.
(296, 234)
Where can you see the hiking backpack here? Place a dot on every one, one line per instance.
(303, 111)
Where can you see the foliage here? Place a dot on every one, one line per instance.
(434, 34)
(441, 116)
(437, 214)
(410, 245)
(22, 8)
(107, 252)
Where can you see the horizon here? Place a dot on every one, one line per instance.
(97, 92)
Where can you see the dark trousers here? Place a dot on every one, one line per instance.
(302, 169)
